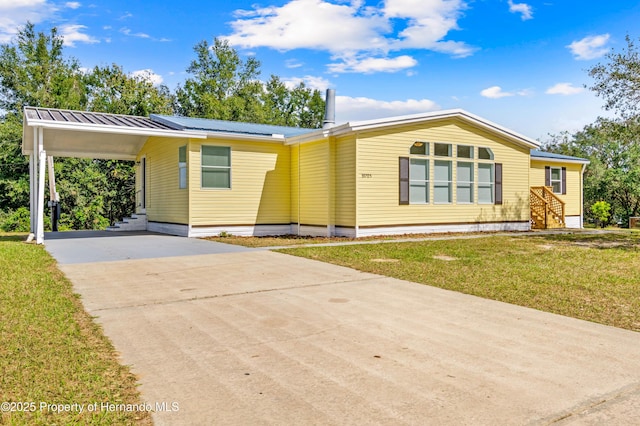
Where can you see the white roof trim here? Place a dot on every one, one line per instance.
(103, 128)
(417, 118)
(558, 160)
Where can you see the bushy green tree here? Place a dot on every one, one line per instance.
(222, 86)
(601, 211)
(613, 175)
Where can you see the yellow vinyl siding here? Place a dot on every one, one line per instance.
(165, 201)
(260, 186)
(345, 181)
(573, 197)
(377, 176)
(314, 180)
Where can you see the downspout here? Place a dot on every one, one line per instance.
(299, 191)
(584, 167)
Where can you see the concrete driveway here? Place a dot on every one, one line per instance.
(254, 337)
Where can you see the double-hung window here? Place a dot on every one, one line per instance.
(182, 167)
(442, 183)
(464, 187)
(418, 181)
(216, 167)
(486, 183)
(556, 180)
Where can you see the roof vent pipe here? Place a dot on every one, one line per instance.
(329, 109)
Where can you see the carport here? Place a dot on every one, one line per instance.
(49, 133)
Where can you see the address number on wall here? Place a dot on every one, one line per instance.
(366, 175)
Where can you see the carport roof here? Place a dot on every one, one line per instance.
(91, 135)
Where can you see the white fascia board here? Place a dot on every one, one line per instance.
(559, 160)
(121, 130)
(275, 138)
(436, 115)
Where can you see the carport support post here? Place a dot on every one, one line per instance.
(40, 202)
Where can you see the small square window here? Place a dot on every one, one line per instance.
(442, 149)
(465, 151)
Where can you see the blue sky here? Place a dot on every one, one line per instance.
(520, 63)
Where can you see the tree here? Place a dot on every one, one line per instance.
(223, 86)
(34, 72)
(601, 211)
(296, 107)
(618, 81)
(109, 89)
(613, 175)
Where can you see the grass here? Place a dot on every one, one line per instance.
(297, 240)
(50, 349)
(595, 277)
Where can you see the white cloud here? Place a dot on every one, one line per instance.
(370, 65)
(73, 33)
(524, 9)
(360, 108)
(590, 47)
(564, 89)
(312, 82)
(292, 63)
(72, 5)
(358, 35)
(495, 92)
(126, 31)
(149, 75)
(14, 14)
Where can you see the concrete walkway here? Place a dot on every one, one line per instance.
(256, 337)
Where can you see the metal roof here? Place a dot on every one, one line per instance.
(223, 126)
(93, 118)
(535, 153)
(91, 134)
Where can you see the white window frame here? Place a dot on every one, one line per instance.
(491, 184)
(464, 183)
(203, 167)
(558, 181)
(182, 168)
(442, 183)
(489, 151)
(471, 149)
(423, 183)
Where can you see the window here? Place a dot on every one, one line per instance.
(465, 182)
(442, 181)
(556, 180)
(418, 181)
(216, 167)
(485, 154)
(182, 167)
(485, 183)
(442, 149)
(465, 151)
(419, 148)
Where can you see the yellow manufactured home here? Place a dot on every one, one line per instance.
(444, 171)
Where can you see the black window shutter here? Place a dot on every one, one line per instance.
(547, 176)
(404, 180)
(498, 181)
(564, 180)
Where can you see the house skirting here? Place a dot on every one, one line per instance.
(436, 228)
(573, 221)
(340, 231)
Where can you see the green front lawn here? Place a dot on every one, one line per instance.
(591, 277)
(51, 352)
